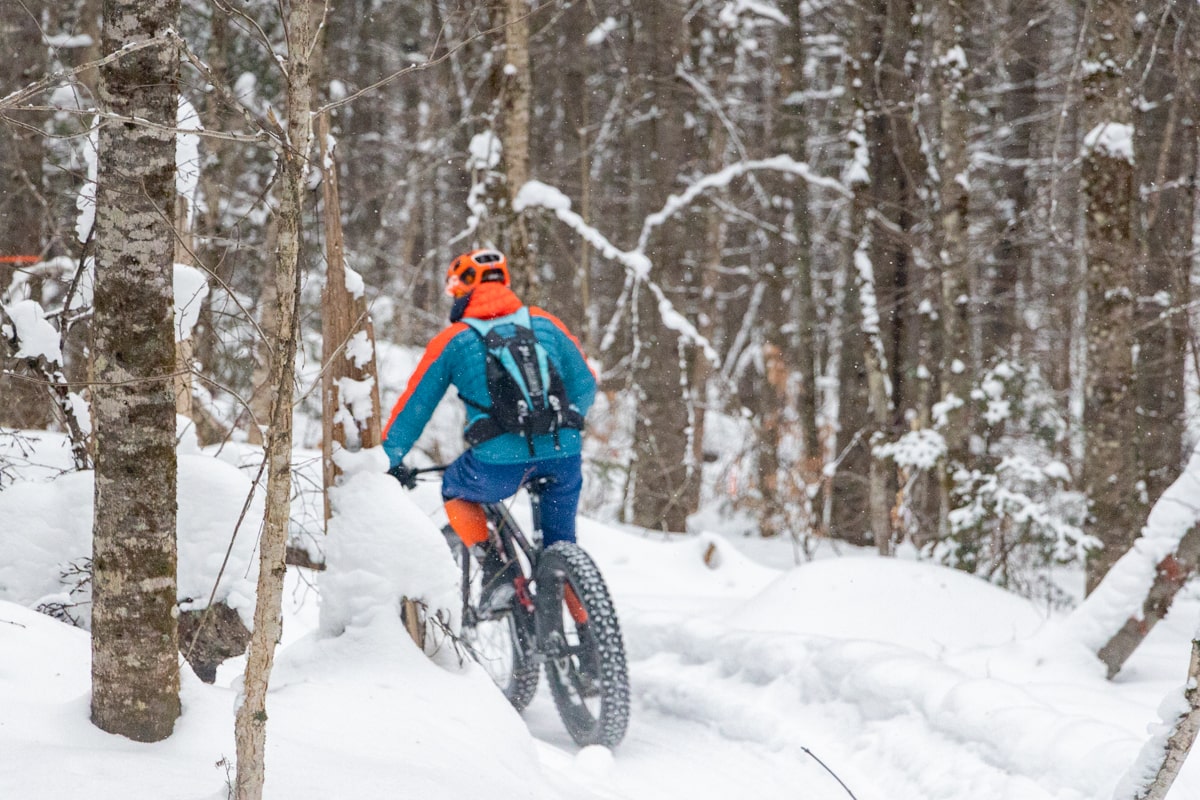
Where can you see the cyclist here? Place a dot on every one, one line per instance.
(497, 460)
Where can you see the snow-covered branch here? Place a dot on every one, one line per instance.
(721, 179)
(1123, 590)
(535, 194)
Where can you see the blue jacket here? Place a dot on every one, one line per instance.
(457, 356)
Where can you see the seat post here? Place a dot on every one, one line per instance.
(534, 488)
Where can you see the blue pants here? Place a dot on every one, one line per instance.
(468, 478)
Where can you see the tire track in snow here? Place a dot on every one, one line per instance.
(860, 706)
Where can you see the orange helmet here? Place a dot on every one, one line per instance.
(476, 267)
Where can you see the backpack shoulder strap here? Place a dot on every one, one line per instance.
(483, 327)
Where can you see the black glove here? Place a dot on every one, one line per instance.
(406, 476)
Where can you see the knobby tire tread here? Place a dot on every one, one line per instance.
(565, 561)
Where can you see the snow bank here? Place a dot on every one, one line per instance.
(381, 548)
(929, 620)
(212, 546)
(404, 727)
(46, 527)
(884, 696)
(43, 528)
(365, 715)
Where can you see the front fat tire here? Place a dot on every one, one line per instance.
(596, 658)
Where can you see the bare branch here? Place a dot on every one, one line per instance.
(14, 100)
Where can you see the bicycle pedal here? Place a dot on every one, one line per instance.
(497, 598)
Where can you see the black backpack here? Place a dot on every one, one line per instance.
(525, 391)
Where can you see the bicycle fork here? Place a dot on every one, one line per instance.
(574, 606)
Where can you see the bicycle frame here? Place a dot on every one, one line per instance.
(562, 622)
(510, 537)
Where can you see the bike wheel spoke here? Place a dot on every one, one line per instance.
(497, 640)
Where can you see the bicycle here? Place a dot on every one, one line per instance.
(560, 616)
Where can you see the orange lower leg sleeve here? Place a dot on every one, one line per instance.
(468, 520)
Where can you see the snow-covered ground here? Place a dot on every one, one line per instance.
(750, 677)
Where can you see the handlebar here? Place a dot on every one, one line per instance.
(534, 486)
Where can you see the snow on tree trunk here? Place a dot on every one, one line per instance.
(382, 549)
(251, 722)
(191, 284)
(135, 650)
(879, 393)
(1170, 575)
(349, 387)
(30, 340)
(863, 351)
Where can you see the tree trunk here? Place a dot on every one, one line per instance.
(666, 479)
(1110, 465)
(263, 386)
(957, 368)
(22, 214)
(1166, 171)
(348, 342)
(135, 646)
(517, 87)
(251, 723)
(1008, 278)
(861, 287)
(791, 358)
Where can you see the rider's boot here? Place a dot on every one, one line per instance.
(497, 580)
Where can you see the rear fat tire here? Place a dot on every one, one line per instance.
(596, 657)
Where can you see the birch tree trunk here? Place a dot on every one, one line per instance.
(1110, 464)
(135, 647)
(251, 723)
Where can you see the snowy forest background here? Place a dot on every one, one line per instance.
(931, 262)
(895, 274)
